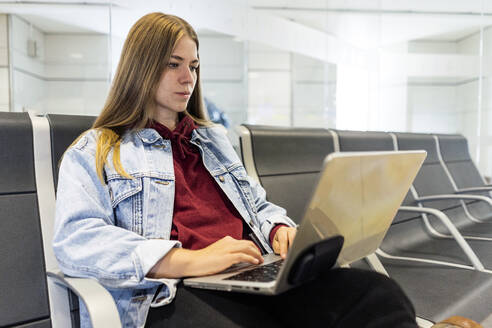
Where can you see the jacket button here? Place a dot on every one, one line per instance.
(221, 178)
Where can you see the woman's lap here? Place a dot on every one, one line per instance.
(341, 298)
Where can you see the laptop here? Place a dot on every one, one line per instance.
(357, 197)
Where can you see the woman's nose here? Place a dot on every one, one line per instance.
(187, 75)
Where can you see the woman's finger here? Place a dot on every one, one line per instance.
(291, 235)
(246, 247)
(283, 241)
(276, 246)
(242, 257)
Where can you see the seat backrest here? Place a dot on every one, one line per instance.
(287, 162)
(64, 130)
(364, 141)
(456, 157)
(23, 282)
(432, 178)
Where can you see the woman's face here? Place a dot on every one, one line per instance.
(178, 79)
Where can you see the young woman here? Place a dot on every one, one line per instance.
(155, 191)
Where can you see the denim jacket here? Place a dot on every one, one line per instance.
(116, 232)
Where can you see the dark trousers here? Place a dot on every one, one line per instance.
(342, 298)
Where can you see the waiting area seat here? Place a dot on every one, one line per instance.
(410, 215)
(464, 175)
(441, 192)
(34, 291)
(414, 252)
(284, 158)
(286, 161)
(64, 129)
(23, 282)
(434, 188)
(410, 252)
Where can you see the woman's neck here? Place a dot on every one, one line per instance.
(169, 121)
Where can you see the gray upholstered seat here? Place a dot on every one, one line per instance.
(426, 284)
(364, 141)
(432, 180)
(23, 282)
(28, 268)
(464, 173)
(64, 129)
(287, 162)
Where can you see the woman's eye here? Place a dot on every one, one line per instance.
(193, 68)
(173, 65)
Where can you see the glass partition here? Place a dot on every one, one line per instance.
(373, 65)
(4, 65)
(269, 85)
(314, 88)
(223, 76)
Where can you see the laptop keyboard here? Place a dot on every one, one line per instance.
(264, 273)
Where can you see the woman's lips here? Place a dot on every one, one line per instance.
(185, 95)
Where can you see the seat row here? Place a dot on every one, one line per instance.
(438, 246)
(438, 253)
(34, 291)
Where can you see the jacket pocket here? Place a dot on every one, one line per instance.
(135, 307)
(126, 200)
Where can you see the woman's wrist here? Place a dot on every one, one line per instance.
(176, 263)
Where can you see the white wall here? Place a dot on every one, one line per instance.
(433, 108)
(69, 73)
(449, 104)
(485, 140)
(393, 89)
(4, 65)
(77, 73)
(434, 102)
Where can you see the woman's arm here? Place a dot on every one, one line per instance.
(269, 214)
(87, 242)
(212, 259)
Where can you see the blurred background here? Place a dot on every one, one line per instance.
(386, 65)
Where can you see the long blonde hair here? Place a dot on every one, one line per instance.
(131, 99)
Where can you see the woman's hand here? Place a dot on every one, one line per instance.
(214, 258)
(284, 237)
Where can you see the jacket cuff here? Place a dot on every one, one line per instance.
(149, 252)
(271, 223)
(167, 292)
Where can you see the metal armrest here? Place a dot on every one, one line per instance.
(452, 229)
(486, 199)
(474, 189)
(98, 301)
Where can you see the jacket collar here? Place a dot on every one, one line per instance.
(149, 136)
